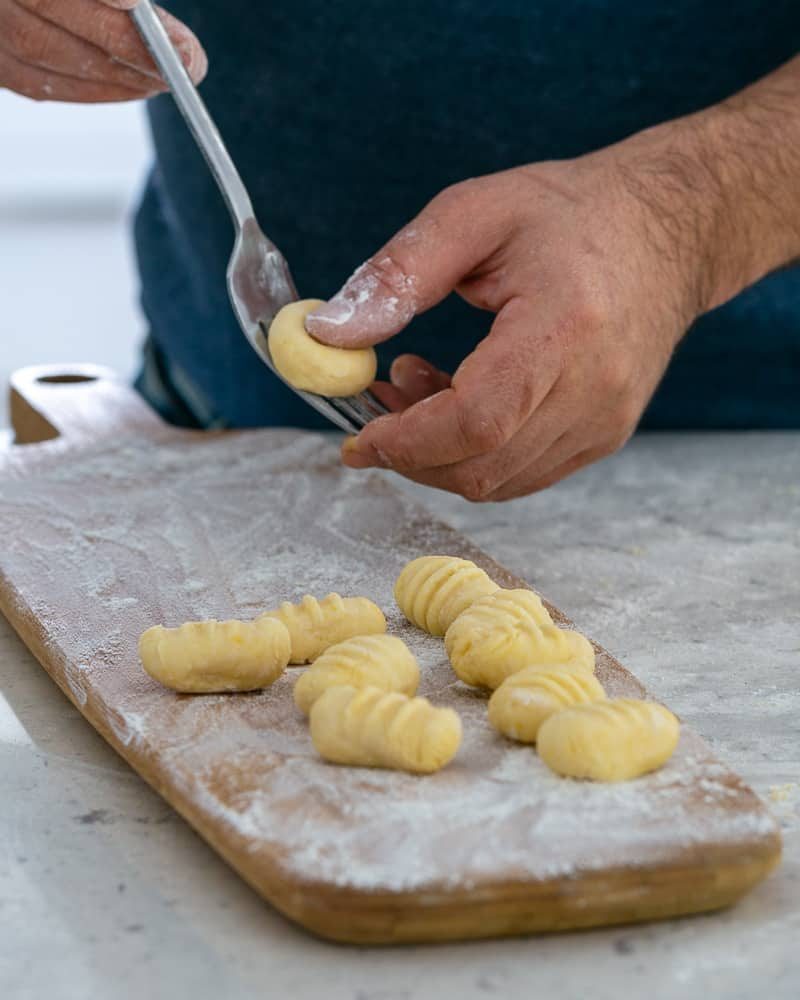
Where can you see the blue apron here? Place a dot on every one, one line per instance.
(346, 118)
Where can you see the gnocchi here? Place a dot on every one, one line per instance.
(380, 661)
(211, 656)
(610, 740)
(432, 591)
(368, 727)
(524, 700)
(306, 364)
(507, 631)
(315, 625)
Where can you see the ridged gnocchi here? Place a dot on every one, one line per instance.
(432, 591)
(367, 727)
(609, 740)
(315, 625)
(211, 656)
(380, 661)
(507, 631)
(524, 700)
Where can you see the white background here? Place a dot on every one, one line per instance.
(69, 179)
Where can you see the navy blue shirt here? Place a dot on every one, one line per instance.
(346, 118)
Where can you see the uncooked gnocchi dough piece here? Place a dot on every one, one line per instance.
(432, 591)
(610, 740)
(307, 364)
(203, 657)
(367, 727)
(315, 625)
(524, 700)
(507, 631)
(381, 661)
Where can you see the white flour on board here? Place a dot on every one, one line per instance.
(136, 535)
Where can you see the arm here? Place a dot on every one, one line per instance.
(595, 268)
(742, 160)
(83, 50)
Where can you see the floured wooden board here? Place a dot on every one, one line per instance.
(122, 523)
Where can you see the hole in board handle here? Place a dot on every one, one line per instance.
(61, 379)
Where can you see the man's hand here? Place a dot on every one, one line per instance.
(84, 50)
(595, 268)
(590, 302)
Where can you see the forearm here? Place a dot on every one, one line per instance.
(725, 183)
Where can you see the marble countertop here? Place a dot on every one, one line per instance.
(681, 555)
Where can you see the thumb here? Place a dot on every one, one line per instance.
(414, 271)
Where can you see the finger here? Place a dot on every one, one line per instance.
(412, 379)
(417, 378)
(41, 43)
(391, 397)
(494, 392)
(527, 483)
(596, 435)
(479, 478)
(45, 85)
(113, 31)
(416, 269)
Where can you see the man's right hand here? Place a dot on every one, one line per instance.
(84, 50)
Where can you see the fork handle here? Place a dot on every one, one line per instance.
(194, 111)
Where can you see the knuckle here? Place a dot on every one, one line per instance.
(629, 413)
(619, 443)
(618, 436)
(24, 38)
(391, 447)
(616, 374)
(388, 273)
(589, 313)
(483, 430)
(492, 433)
(450, 196)
(474, 485)
(455, 204)
(34, 44)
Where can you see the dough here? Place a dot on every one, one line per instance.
(368, 727)
(610, 740)
(507, 631)
(315, 625)
(381, 661)
(432, 591)
(307, 364)
(525, 699)
(202, 657)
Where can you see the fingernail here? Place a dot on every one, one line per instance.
(353, 457)
(365, 302)
(407, 372)
(336, 312)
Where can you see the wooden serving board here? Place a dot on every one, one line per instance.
(117, 522)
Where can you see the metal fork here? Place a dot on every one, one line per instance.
(259, 281)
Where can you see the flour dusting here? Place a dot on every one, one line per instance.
(135, 535)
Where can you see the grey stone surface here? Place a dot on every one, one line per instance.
(681, 555)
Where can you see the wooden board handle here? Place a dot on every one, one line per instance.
(78, 402)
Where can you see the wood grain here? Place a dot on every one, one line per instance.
(120, 522)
